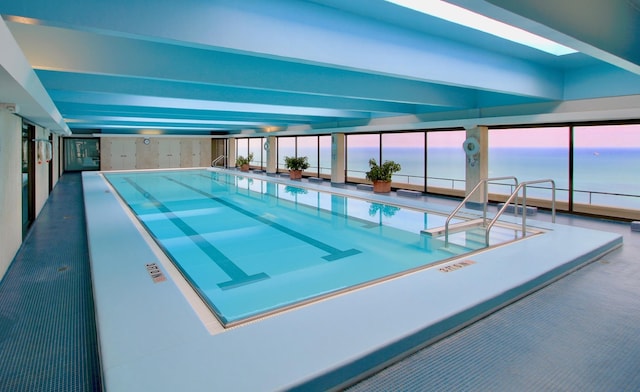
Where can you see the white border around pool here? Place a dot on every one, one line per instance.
(151, 339)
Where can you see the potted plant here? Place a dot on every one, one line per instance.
(243, 162)
(380, 175)
(296, 165)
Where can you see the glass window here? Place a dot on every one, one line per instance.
(407, 149)
(286, 148)
(242, 147)
(255, 147)
(81, 154)
(308, 147)
(606, 163)
(325, 155)
(531, 154)
(446, 160)
(361, 148)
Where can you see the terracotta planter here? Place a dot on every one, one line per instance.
(382, 186)
(295, 174)
(245, 167)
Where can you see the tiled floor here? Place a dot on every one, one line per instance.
(47, 328)
(581, 333)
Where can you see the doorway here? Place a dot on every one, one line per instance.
(81, 154)
(28, 176)
(219, 152)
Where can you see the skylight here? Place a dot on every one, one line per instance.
(463, 16)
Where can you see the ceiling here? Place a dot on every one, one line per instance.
(221, 67)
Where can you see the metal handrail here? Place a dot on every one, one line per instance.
(523, 186)
(484, 182)
(213, 163)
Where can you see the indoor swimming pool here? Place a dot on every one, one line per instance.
(251, 247)
(160, 326)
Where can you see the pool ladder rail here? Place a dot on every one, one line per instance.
(218, 159)
(484, 222)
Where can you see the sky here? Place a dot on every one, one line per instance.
(613, 136)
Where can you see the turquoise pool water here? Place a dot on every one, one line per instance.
(250, 247)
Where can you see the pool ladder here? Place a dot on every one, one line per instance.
(522, 186)
(213, 163)
(486, 223)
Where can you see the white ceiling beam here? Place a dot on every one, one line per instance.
(308, 33)
(50, 48)
(194, 104)
(587, 110)
(20, 85)
(56, 80)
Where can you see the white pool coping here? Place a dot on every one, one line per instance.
(152, 340)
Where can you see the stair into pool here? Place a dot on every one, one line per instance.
(469, 235)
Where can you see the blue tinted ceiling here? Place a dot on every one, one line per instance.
(200, 66)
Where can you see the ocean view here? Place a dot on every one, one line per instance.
(605, 170)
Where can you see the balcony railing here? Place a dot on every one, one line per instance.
(580, 196)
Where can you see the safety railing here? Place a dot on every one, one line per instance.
(523, 186)
(485, 200)
(213, 163)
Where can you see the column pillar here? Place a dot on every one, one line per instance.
(337, 158)
(476, 148)
(231, 158)
(272, 154)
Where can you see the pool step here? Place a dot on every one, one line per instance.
(453, 228)
(501, 231)
(454, 249)
(474, 238)
(471, 239)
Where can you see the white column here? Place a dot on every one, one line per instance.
(477, 159)
(337, 158)
(272, 154)
(231, 159)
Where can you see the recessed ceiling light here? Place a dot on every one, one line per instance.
(464, 17)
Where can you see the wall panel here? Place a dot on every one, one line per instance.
(10, 188)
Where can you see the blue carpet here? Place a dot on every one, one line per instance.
(47, 327)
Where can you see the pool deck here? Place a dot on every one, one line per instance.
(152, 339)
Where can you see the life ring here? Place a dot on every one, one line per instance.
(471, 146)
(48, 152)
(40, 151)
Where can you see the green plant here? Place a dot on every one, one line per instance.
(244, 161)
(385, 209)
(381, 172)
(296, 163)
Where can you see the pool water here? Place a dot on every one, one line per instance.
(251, 247)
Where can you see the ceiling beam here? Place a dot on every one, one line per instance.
(49, 48)
(20, 86)
(305, 32)
(56, 80)
(194, 104)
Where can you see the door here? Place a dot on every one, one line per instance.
(28, 176)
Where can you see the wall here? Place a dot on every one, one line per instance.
(126, 153)
(10, 188)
